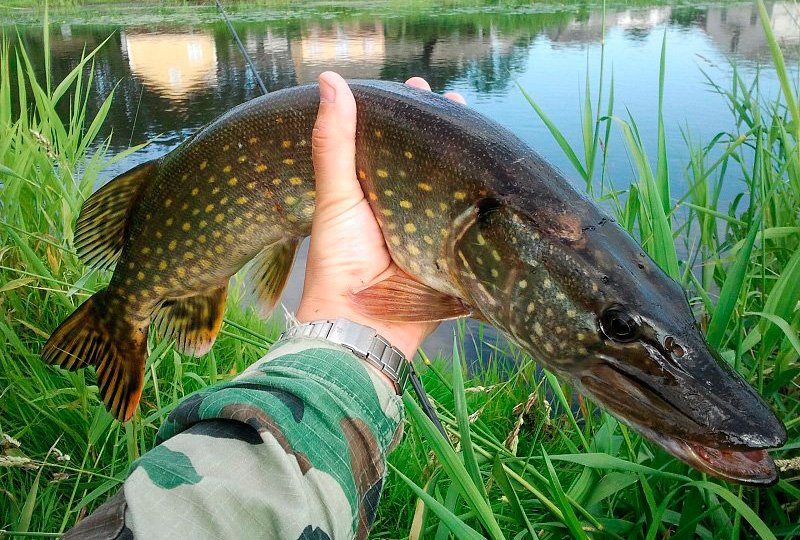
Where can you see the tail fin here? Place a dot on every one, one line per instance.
(96, 334)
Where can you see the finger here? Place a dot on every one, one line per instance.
(419, 82)
(455, 96)
(333, 145)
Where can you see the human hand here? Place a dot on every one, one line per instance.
(347, 252)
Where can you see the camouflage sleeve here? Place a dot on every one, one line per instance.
(295, 447)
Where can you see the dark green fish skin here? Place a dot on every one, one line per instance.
(468, 210)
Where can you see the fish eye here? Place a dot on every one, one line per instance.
(618, 324)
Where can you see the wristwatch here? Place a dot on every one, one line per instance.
(363, 341)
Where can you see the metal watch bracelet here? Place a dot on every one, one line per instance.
(362, 340)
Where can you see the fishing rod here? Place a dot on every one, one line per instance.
(416, 383)
(247, 58)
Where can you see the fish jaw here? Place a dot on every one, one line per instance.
(708, 418)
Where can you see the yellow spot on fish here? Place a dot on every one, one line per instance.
(395, 239)
(424, 187)
(530, 308)
(172, 245)
(188, 256)
(216, 234)
(387, 212)
(295, 180)
(241, 200)
(292, 217)
(251, 185)
(459, 195)
(181, 271)
(184, 176)
(202, 239)
(405, 204)
(560, 296)
(443, 206)
(481, 240)
(571, 313)
(522, 284)
(287, 144)
(128, 281)
(312, 194)
(494, 272)
(145, 250)
(219, 248)
(132, 298)
(290, 200)
(547, 283)
(229, 238)
(378, 134)
(388, 192)
(215, 191)
(140, 276)
(595, 288)
(408, 154)
(428, 239)
(224, 200)
(159, 250)
(185, 206)
(414, 250)
(167, 202)
(226, 168)
(373, 196)
(429, 213)
(382, 173)
(537, 328)
(261, 218)
(288, 161)
(242, 158)
(232, 181)
(444, 232)
(188, 242)
(209, 208)
(186, 226)
(195, 211)
(580, 336)
(414, 266)
(203, 165)
(261, 168)
(203, 223)
(361, 174)
(226, 148)
(495, 255)
(212, 179)
(253, 140)
(549, 347)
(410, 228)
(237, 221)
(219, 217)
(276, 181)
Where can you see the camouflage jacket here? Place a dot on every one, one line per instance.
(295, 447)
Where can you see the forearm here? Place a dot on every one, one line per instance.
(296, 444)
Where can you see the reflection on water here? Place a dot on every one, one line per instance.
(195, 72)
(172, 65)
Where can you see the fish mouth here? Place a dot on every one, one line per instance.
(640, 405)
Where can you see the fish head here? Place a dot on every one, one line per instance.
(572, 288)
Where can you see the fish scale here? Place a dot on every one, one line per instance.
(480, 224)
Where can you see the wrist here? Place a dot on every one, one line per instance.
(405, 337)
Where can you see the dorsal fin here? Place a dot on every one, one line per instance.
(100, 230)
(192, 321)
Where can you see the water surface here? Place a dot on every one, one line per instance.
(176, 69)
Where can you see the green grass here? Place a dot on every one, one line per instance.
(518, 462)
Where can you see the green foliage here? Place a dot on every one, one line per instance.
(519, 462)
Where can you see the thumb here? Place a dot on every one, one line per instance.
(333, 147)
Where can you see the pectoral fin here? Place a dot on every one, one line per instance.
(266, 277)
(193, 322)
(403, 299)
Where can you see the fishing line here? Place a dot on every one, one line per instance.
(247, 58)
(416, 383)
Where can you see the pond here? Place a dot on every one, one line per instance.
(175, 68)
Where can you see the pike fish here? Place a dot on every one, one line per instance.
(480, 223)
